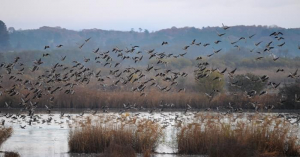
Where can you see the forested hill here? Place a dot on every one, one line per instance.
(177, 38)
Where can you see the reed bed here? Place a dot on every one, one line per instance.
(5, 133)
(11, 154)
(253, 135)
(85, 98)
(122, 139)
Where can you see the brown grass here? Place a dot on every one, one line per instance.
(130, 137)
(11, 154)
(86, 98)
(94, 95)
(256, 136)
(5, 133)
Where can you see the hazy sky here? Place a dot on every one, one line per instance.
(149, 14)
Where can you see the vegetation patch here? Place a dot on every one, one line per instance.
(130, 138)
(253, 135)
(5, 133)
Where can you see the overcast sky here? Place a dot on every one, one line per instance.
(148, 14)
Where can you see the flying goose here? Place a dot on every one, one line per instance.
(86, 40)
(223, 71)
(46, 54)
(220, 34)
(225, 27)
(186, 47)
(259, 58)
(206, 44)
(256, 44)
(275, 59)
(193, 42)
(278, 70)
(262, 93)
(181, 89)
(198, 44)
(280, 45)
(164, 43)
(217, 42)
(81, 45)
(252, 36)
(293, 75)
(199, 58)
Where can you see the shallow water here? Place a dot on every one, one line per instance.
(51, 139)
(38, 140)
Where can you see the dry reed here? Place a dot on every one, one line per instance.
(130, 138)
(255, 136)
(5, 133)
(11, 154)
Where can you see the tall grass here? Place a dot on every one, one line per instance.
(86, 98)
(11, 154)
(95, 95)
(5, 133)
(255, 136)
(131, 137)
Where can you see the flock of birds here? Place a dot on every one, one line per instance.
(62, 78)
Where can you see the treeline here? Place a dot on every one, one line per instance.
(230, 59)
(177, 38)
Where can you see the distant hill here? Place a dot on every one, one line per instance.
(177, 38)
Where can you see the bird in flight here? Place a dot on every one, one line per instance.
(86, 40)
(225, 27)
